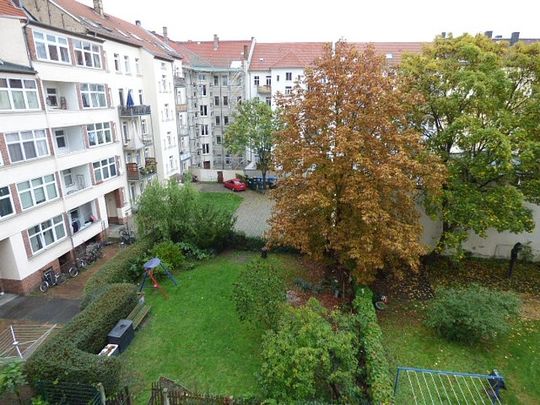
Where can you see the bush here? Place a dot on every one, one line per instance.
(170, 254)
(193, 252)
(259, 294)
(239, 241)
(12, 379)
(310, 358)
(117, 270)
(370, 334)
(473, 313)
(69, 355)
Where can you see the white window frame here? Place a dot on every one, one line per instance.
(51, 227)
(45, 42)
(204, 110)
(88, 53)
(224, 80)
(204, 129)
(205, 148)
(7, 197)
(33, 138)
(38, 186)
(288, 90)
(95, 94)
(28, 89)
(225, 100)
(288, 76)
(98, 134)
(102, 169)
(68, 174)
(116, 63)
(256, 80)
(268, 80)
(127, 65)
(137, 66)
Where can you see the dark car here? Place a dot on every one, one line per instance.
(235, 185)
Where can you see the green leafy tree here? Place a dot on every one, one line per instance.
(312, 356)
(253, 128)
(481, 115)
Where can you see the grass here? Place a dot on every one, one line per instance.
(193, 334)
(228, 200)
(517, 356)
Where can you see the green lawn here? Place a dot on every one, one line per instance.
(193, 334)
(516, 356)
(228, 200)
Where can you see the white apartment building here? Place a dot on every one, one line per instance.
(61, 177)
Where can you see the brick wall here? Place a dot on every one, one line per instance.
(4, 150)
(30, 283)
(27, 245)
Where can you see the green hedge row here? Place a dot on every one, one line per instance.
(370, 334)
(115, 270)
(69, 355)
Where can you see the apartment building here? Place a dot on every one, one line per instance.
(61, 177)
(214, 77)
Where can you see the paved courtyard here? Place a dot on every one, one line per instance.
(253, 213)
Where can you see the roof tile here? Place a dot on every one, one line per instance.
(8, 9)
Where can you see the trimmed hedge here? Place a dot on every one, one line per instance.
(69, 355)
(370, 334)
(116, 269)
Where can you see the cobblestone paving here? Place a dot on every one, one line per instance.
(253, 213)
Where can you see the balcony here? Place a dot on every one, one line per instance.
(68, 140)
(179, 81)
(83, 217)
(181, 107)
(264, 89)
(134, 111)
(138, 173)
(76, 179)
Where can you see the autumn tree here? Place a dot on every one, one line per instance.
(351, 168)
(253, 128)
(481, 115)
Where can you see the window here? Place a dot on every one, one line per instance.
(137, 66)
(224, 80)
(288, 89)
(239, 99)
(204, 110)
(127, 65)
(205, 148)
(204, 129)
(87, 54)
(51, 47)
(225, 100)
(141, 97)
(68, 177)
(144, 127)
(46, 233)
(216, 80)
(218, 120)
(202, 76)
(277, 78)
(268, 80)
(216, 101)
(269, 100)
(37, 191)
(288, 76)
(125, 132)
(60, 139)
(163, 83)
(225, 120)
(27, 145)
(99, 134)
(105, 169)
(167, 112)
(6, 205)
(18, 94)
(218, 140)
(256, 80)
(52, 97)
(117, 63)
(93, 95)
(203, 90)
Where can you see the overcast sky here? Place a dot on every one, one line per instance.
(330, 20)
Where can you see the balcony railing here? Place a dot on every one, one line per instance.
(179, 81)
(264, 89)
(136, 173)
(134, 111)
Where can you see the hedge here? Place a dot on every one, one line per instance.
(370, 334)
(69, 355)
(116, 269)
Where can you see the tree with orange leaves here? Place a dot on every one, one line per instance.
(351, 167)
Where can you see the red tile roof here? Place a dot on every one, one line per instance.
(395, 49)
(116, 28)
(286, 54)
(203, 54)
(8, 9)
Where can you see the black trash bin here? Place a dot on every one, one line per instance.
(122, 334)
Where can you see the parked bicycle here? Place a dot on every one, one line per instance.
(127, 236)
(50, 278)
(76, 267)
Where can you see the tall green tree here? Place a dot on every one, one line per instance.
(253, 128)
(481, 115)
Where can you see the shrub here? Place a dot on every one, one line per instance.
(193, 252)
(259, 294)
(170, 254)
(310, 358)
(12, 379)
(370, 334)
(473, 313)
(117, 270)
(239, 241)
(69, 355)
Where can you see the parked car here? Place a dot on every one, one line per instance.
(235, 185)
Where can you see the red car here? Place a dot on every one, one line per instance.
(235, 185)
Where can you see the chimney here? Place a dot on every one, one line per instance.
(489, 34)
(514, 38)
(138, 23)
(165, 33)
(246, 52)
(98, 7)
(216, 42)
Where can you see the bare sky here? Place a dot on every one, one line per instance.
(330, 20)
